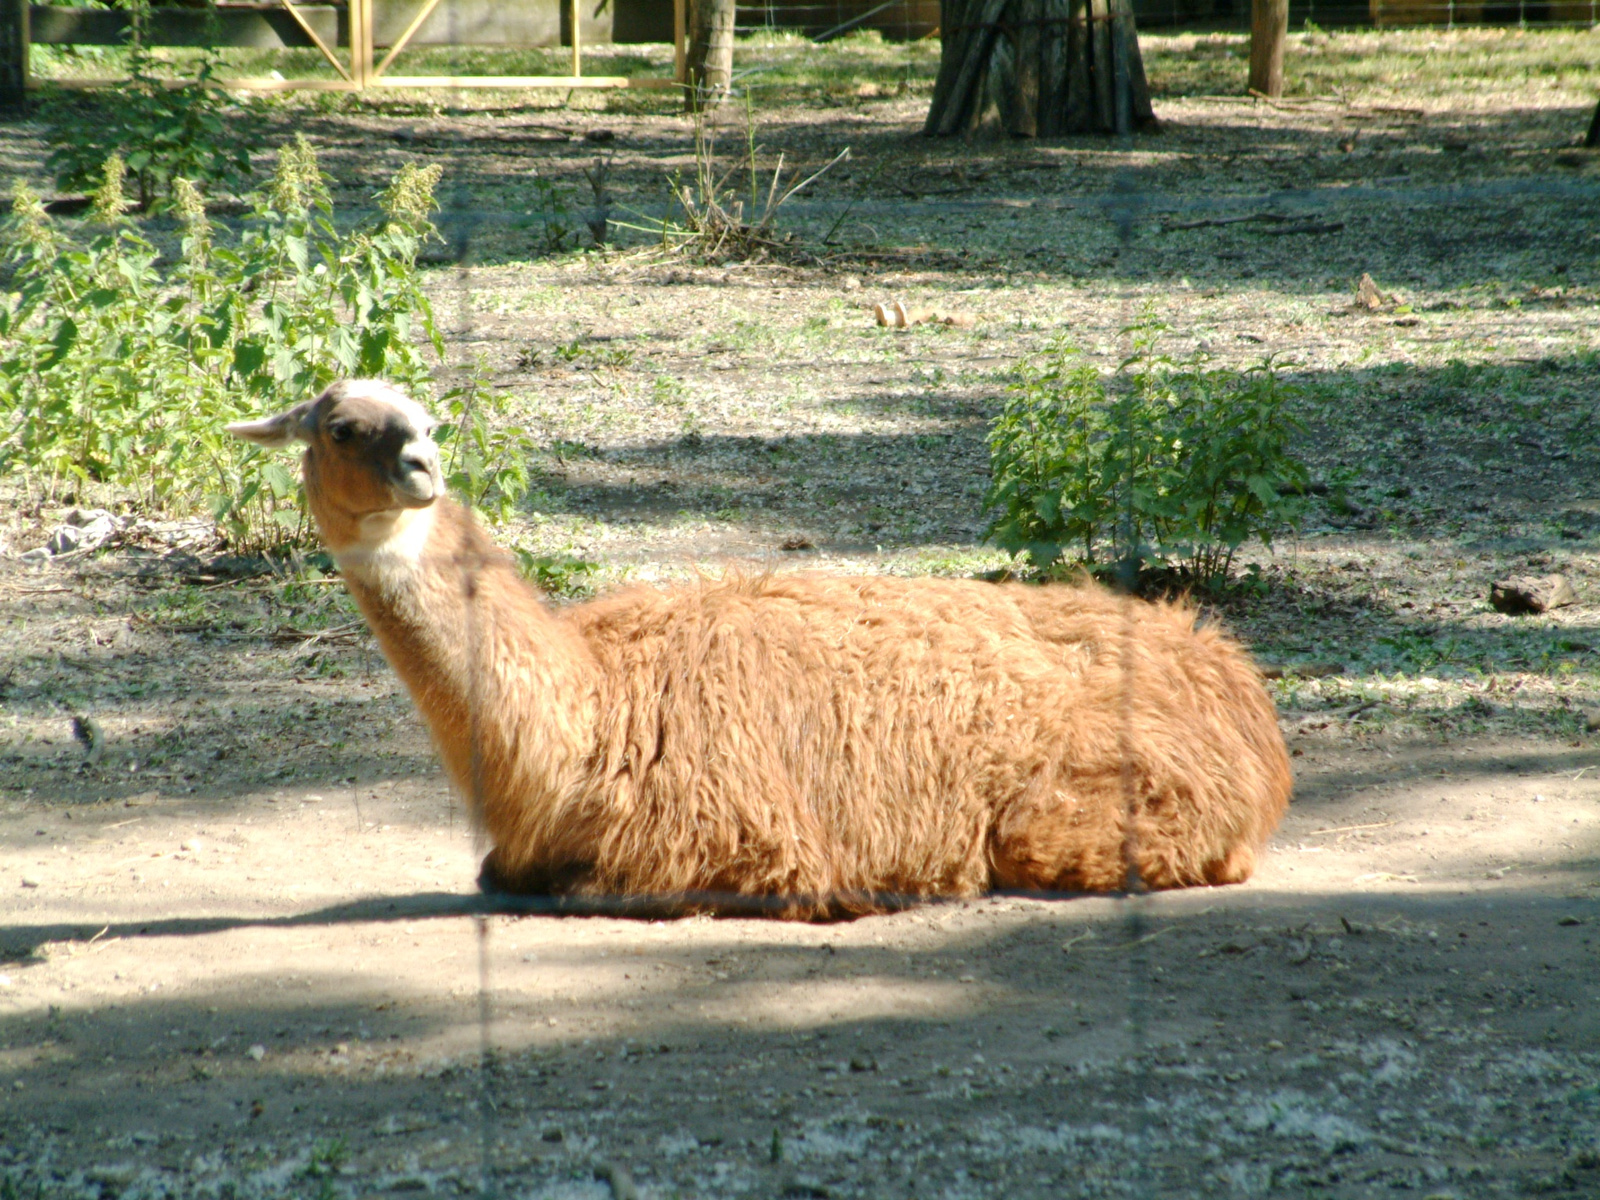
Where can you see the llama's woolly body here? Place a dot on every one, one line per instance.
(818, 738)
(813, 736)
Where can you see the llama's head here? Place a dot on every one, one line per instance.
(369, 459)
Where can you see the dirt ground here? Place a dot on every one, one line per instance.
(240, 950)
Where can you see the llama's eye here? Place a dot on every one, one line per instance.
(339, 431)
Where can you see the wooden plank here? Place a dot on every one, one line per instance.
(1121, 83)
(577, 38)
(1100, 64)
(961, 103)
(680, 36)
(1025, 98)
(316, 38)
(524, 81)
(1053, 74)
(1144, 112)
(1080, 87)
(400, 42)
(260, 29)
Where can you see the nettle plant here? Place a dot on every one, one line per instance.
(1171, 463)
(120, 366)
(164, 130)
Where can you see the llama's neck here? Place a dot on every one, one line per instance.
(507, 689)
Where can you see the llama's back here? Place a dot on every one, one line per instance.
(809, 734)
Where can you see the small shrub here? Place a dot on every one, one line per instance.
(163, 133)
(563, 576)
(716, 223)
(1173, 463)
(120, 367)
(485, 455)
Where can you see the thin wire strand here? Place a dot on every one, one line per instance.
(488, 1107)
(1124, 211)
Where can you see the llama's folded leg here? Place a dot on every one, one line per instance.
(1060, 836)
(539, 880)
(1070, 835)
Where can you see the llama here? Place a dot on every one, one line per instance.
(815, 743)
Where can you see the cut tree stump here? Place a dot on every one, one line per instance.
(1047, 67)
(1522, 594)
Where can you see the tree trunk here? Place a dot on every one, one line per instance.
(13, 53)
(1269, 26)
(1047, 67)
(1594, 130)
(710, 57)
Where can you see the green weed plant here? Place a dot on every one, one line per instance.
(1171, 463)
(162, 130)
(120, 366)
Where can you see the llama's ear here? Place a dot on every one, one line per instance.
(276, 432)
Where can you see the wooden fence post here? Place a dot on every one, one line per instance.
(13, 53)
(1269, 26)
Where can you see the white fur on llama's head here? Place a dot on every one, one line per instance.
(371, 470)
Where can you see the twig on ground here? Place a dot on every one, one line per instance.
(1349, 828)
(1207, 222)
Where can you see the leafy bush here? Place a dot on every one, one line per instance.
(162, 133)
(1174, 462)
(120, 367)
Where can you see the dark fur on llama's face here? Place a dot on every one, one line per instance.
(821, 745)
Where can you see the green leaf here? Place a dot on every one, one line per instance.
(249, 356)
(277, 478)
(66, 336)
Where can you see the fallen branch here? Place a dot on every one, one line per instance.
(1207, 222)
(288, 633)
(1309, 227)
(1349, 828)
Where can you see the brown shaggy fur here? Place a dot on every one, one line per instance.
(818, 738)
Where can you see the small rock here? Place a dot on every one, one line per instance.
(1591, 720)
(84, 529)
(1570, 920)
(257, 1052)
(30, 881)
(798, 542)
(1522, 594)
(622, 1185)
(552, 1134)
(1367, 294)
(805, 1185)
(193, 845)
(1302, 670)
(118, 1176)
(93, 739)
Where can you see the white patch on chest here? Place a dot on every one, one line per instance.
(392, 544)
